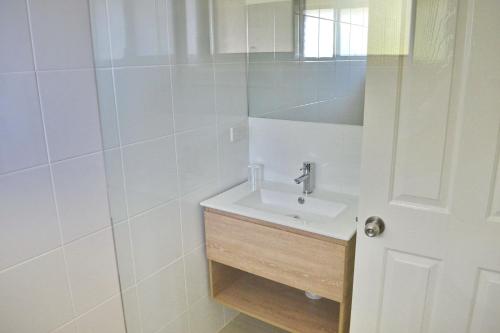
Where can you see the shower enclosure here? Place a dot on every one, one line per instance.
(167, 104)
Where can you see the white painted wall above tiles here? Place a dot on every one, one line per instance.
(282, 145)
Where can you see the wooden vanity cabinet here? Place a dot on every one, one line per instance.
(262, 269)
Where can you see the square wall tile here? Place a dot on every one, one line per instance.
(197, 158)
(69, 102)
(16, 55)
(61, 34)
(35, 296)
(80, 185)
(194, 96)
(92, 270)
(139, 32)
(197, 275)
(157, 238)
(144, 103)
(192, 216)
(206, 316)
(106, 318)
(28, 216)
(179, 325)
(67, 328)
(162, 298)
(22, 140)
(150, 174)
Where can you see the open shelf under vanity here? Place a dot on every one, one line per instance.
(262, 270)
(275, 303)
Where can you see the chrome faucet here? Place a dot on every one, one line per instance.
(307, 178)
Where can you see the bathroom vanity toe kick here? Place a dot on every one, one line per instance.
(254, 262)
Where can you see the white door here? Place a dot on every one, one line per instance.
(431, 170)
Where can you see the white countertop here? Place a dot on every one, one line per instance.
(325, 213)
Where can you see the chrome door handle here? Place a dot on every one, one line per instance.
(374, 226)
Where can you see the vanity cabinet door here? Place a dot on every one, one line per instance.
(299, 261)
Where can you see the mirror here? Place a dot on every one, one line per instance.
(306, 59)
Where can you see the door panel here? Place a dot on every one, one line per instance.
(408, 292)
(431, 170)
(422, 145)
(485, 317)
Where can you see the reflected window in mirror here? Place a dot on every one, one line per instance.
(306, 59)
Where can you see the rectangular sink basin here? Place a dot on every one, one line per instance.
(326, 213)
(291, 204)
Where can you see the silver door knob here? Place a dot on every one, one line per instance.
(374, 226)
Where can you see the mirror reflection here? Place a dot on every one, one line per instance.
(306, 58)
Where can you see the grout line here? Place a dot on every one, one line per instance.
(76, 318)
(46, 164)
(69, 69)
(149, 210)
(26, 261)
(172, 321)
(19, 171)
(52, 178)
(168, 136)
(159, 270)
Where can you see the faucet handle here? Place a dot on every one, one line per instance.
(306, 166)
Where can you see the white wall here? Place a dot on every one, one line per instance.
(282, 146)
(57, 262)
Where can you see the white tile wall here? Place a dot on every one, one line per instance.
(106, 318)
(143, 99)
(167, 106)
(197, 158)
(282, 146)
(194, 96)
(150, 174)
(157, 239)
(15, 32)
(162, 297)
(61, 34)
(92, 270)
(29, 224)
(57, 261)
(69, 106)
(36, 295)
(81, 194)
(23, 141)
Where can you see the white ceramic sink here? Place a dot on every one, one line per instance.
(286, 203)
(326, 213)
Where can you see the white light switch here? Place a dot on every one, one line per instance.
(237, 134)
